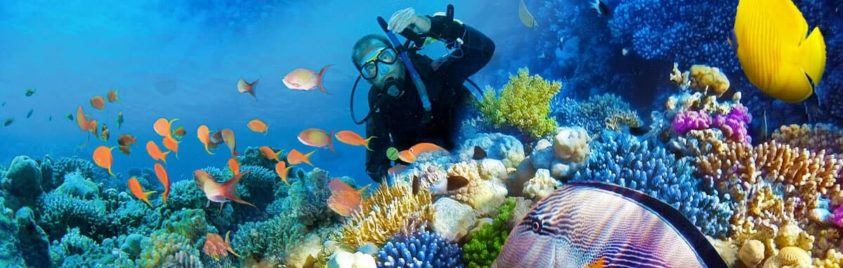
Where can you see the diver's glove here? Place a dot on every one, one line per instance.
(443, 28)
(406, 19)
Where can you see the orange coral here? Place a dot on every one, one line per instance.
(388, 211)
(813, 137)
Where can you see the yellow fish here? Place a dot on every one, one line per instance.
(524, 14)
(774, 52)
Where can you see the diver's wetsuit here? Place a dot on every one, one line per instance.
(397, 121)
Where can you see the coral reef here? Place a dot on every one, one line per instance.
(34, 243)
(623, 160)
(60, 211)
(386, 212)
(421, 249)
(524, 103)
(24, 176)
(10, 254)
(486, 242)
(485, 190)
(168, 250)
(540, 186)
(814, 137)
(305, 200)
(344, 259)
(270, 239)
(599, 112)
(563, 156)
(497, 146)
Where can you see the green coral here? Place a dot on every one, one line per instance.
(486, 243)
(271, 239)
(524, 103)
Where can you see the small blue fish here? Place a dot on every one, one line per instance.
(29, 114)
(588, 224)
(8, 121)
(29, 92)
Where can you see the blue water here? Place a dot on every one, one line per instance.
(182, 60)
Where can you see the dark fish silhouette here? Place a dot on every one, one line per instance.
(416, 183)
(29, 114)
(456, 182)
(587, 223)
(479, 153)
(29, 92)
(69, 116)
(8, 121)
(639, 131)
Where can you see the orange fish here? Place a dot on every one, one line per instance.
(161, 173)
(315, 137)
(125, 150)
(228, 138)
(344, 199)
(103, 158)
(258, 126)
(246, 87)
(282, 170)
(295, 157)
(137, 191)
(204, 135)
(305, 79)
(216, 247)
(426, 147)
(269, 154)
(352, 138)
(162, 127)
(172, 145)
(155, 152)
(179, 133)
(234, 166)
(216, 192)
(112, 95)
(98, 102)
(84, 124)
(407, 156)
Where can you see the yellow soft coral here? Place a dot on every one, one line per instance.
(524, 103)
(388, 211)
(709, 79)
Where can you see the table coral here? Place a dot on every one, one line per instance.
(420, 249)
(386, 212)
(524, 103)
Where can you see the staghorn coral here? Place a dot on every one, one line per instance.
(814, 137)
(485, 242)
(421, 249)
(272, 239)
(621, 159)
(524, 103)
(605, 111)
(386, 212)
(805, 174)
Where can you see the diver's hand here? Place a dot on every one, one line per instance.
(407, 18)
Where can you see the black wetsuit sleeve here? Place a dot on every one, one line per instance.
(474, 52)
(377, 163)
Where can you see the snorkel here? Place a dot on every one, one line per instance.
(405, 59)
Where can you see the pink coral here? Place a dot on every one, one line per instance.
(734, 124)
(690, 120)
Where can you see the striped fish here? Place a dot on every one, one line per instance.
(590, 224)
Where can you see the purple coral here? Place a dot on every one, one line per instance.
(837, 217)
(734, 124)
(690, 120)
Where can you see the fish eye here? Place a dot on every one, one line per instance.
(536, 225)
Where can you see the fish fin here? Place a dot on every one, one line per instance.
(164, 157)
(307, 157)
(363, 189)
(813, 55)
(366, 144)
(252, 92)
(230, 190)
(208, 151)
(321, 76)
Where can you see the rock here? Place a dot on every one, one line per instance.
(571, 144)
(34, 243)
(25, 177)
(344, 259)
(309, 249)
(492, 169)
(488, 197)
(540, 186)
(451, 219)
(751, 253)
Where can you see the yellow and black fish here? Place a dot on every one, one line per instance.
(774, 52)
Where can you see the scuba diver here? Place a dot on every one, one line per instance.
(416, 101)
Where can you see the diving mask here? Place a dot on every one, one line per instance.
(386, 55)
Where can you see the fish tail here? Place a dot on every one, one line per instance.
(109, 172)
(813, 55)
(164, 157)
(366, 142)
(208, 151)
(321, 76)
(307, 158)
(146, 197)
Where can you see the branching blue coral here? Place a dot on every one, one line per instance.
(621, 159)
(421, 249)
(687, 32)
(596, 113)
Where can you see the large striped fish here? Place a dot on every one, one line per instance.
(590, 224)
